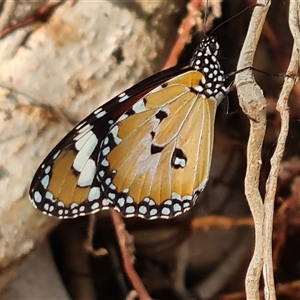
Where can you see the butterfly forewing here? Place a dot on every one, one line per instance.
(145, 153)
(63, 181)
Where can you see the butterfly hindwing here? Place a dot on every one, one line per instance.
(161, 177)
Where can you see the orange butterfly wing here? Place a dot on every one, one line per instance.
(145, 153)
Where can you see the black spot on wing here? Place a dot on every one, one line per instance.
(179, 159)
(161, 115)
(156, 149)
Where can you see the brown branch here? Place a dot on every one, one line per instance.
(282, 107)
(199, 223)
(40, 15)
(89, 241)
(290, 289)
(253, 104)
(184, 33)
(185, 29)
(127, 259)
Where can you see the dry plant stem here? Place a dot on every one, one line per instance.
(128, 264)
(289, 289)
(89, 241)
(202, 223)
(184, 34)
(40, 15)
(253, 104)
(7, 11)
(282, 107)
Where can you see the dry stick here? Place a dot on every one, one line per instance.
(184, 33)
(41, 14)
(204, 222)
(89, 241)
(185, 29)
(253, 104)
(282, 107)
(127, 260)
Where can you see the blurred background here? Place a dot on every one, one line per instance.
(59, 62)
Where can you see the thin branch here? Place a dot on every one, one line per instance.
(204, 222)
(89, 241)
(253, 104)
(185, 29)
(42, 14)
(127, 259)
(184, 33)
(282, 107)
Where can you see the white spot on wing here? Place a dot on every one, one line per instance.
(37, 197)
(101, 114)
(130, 210)
(47, 170)
(176, 196)
(114, 131)
(82, 140)
(112, 196)
(139, 106)
(123, 117)
(83, 131)
(165, 211)
(123, 97)
(176, 207)
(80, 125)
(186, 204)
(56, 154)
(105, 151)
(105, 162)
(143, 210)
(49, 196)
(121, 202)
(151, 202)
(85, 152)
(106, 140)
(180, 162)
(98, 110)
(87, 174)
(45, 181)
(106, 202)
(95, 206)
(94, 193)
(153, 212)
(129, 199)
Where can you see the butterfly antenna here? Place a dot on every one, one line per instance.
(241, 12)
(205, 18)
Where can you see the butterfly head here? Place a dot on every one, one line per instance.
(206, 54)
(205, 60)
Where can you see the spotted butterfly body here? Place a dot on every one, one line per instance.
(145, 153)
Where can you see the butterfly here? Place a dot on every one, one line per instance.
(146, 153)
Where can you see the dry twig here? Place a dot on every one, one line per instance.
(42, 14)
(127, 260)
(253, 103)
